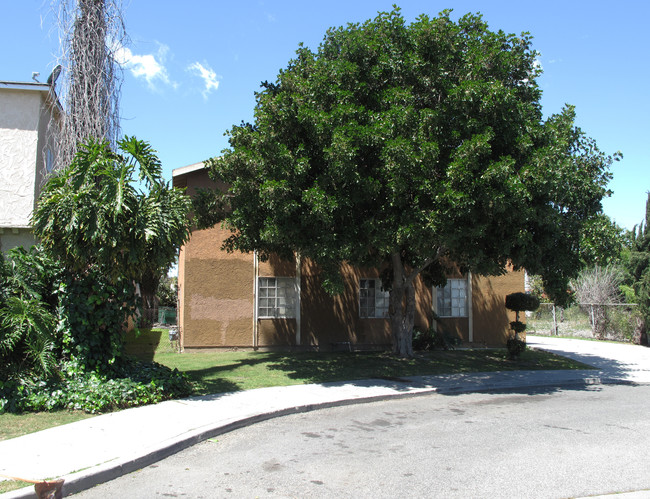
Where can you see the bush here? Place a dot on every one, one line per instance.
(522, 302)
(515, 347)
(519, 302)
(133, 383)
(433, 340)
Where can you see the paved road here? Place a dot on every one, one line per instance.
(539, 444)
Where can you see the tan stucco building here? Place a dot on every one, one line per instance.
(234, 300)
(26, 154)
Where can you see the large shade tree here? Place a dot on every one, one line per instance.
(406, 147)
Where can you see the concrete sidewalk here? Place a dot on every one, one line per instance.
(99, 449)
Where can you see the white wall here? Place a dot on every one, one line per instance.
(20, 113)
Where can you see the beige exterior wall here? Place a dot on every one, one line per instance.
(491, 318)
(217, 301)
(19, 124)
(216, 293)
(11, 238)
(25, 115)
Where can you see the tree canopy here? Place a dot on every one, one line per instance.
(639, 263)
(113, 211)
(409, 146)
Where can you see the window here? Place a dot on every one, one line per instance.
(452, 299)
(373, 301)
(276, 297)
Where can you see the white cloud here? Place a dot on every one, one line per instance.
(209, 77)
(148, 66)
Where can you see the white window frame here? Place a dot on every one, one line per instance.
(373, 300)
(276, 298)
(452, 299)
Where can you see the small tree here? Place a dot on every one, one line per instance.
(108, 233)
(404, 147)
(519, 302)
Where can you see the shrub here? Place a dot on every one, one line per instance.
(515, 347)
(432, 339)
(133, 383)
(522, 302)
(519, 302)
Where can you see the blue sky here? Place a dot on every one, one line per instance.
(193, 67)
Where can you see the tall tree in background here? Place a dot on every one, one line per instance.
(406, 147)
(90, 31)
(639, 265)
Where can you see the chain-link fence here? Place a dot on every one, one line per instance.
(620, 321)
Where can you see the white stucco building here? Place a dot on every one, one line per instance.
(26, 154)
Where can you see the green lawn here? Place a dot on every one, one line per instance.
(214, 372)
(224, 371)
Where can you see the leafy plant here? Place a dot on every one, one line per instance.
(26, 338)
(432, 339)
(134, 383)
(28, 293)
(406, 146)
(112, 221)
(515, 347)
(519, 302)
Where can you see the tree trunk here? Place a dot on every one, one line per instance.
(401, 310)
(148, 287)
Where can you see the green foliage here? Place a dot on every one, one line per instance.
(94, 215)
(63, 309)
(28, 288)
(432, 339)
(638, 264)
(519, 302)
(522, 302)
(134, 383)
(208, 208)
(111, 220)
(515, 348)
(518, 326)
(94, 314)
(167, 292)
(26, 338)
(601, 241)
(409, 146)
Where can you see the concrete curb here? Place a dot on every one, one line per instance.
(95, 475)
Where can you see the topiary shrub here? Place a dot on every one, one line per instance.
(519, 302)
(522, 302)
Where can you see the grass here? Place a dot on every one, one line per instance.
(226, 371)
(9, 485)
(214, 372)
(15, 425)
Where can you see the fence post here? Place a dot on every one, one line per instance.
(554, 321)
